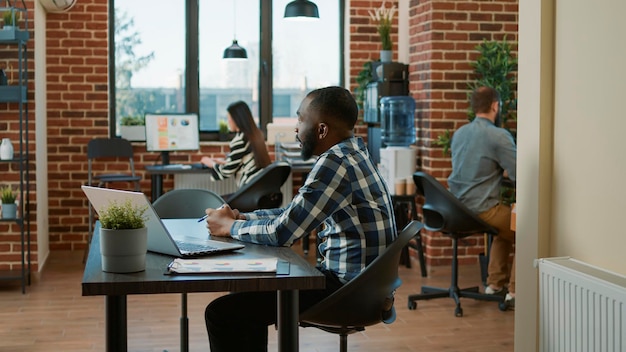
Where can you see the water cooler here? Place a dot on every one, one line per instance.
(388, 79)
(397, 158)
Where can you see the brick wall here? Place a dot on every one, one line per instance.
(10, 231)
(442, 37)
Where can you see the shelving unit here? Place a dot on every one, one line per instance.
(17, 92)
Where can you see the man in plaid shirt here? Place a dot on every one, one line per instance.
(344, 195)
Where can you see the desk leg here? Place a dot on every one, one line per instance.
(156, 186)
(116, 338)
(288, 317)
(184, 324)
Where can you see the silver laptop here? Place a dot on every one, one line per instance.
(175, 237)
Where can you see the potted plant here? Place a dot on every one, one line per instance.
(223, 130)
(123, 237)
(9, 208)
(383, 17)
(7, 16)
(133, 128)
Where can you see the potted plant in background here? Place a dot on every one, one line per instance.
(133, 128)
(223, 130)
(382, 17)
(7, 17)
(123, 237)
(9, 208)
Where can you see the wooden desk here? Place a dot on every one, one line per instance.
(302, 276)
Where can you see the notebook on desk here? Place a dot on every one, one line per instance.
(176, 237)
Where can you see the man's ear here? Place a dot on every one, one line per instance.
(322, 130)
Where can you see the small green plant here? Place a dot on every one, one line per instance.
(132, 121)
(7, 16)
(223, 127)
(123, 216)
(7, 195)
(362, 80)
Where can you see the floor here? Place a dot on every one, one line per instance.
(53, 316)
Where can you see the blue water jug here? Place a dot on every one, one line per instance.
(397, 121)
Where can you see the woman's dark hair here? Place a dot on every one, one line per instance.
(241, 114)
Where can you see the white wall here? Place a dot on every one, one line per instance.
(570, 154)
(589, 159)
(41, 138)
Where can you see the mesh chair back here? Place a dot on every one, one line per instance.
(186, 203)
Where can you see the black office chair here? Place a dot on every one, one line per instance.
(106, 149)
(367, 299)
(185, 203)
(263, 191)
(443, 212)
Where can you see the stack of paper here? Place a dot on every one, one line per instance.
(218, 265)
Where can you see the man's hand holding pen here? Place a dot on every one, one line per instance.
(220, 220)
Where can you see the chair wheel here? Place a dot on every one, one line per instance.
(458, 312)
(412, 305)
(503, 306)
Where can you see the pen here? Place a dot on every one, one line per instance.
(205, 216)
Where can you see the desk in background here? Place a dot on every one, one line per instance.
(156, 176)
(115, 288)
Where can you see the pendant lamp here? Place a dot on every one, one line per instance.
(235, 51)
(301, 10)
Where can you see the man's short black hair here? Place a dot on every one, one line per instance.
(482, 98)
(335, 105)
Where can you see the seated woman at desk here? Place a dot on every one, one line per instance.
(248, 153)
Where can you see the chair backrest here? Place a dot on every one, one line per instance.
(186, 203)
(444, 212)
(119, 148)
(109, 147)
(368, 298)
(263, 191)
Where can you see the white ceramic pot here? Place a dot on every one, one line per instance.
(6, 149)
(123, 251)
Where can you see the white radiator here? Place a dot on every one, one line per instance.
(582, 308)
(226, 186)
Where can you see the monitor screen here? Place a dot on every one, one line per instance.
(172, 132)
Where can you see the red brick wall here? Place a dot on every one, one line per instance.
(10, 231)
(442, 38)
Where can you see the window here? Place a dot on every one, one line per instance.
(168, 58)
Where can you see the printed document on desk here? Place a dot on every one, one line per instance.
(223, 264)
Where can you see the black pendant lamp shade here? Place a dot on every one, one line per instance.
(235, 51)
(301, 9)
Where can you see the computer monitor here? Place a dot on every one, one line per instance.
(171, 132)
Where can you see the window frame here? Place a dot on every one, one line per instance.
(192, 52)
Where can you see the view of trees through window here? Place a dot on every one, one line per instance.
(151, 69)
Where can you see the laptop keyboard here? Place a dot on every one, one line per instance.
(194, 248)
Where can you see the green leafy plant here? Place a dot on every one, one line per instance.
(7, 195)
(123, 216)
(362, 79)
(7, 16)
(495, 67)
(223, 127)
(132, 121)
(383, 16)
